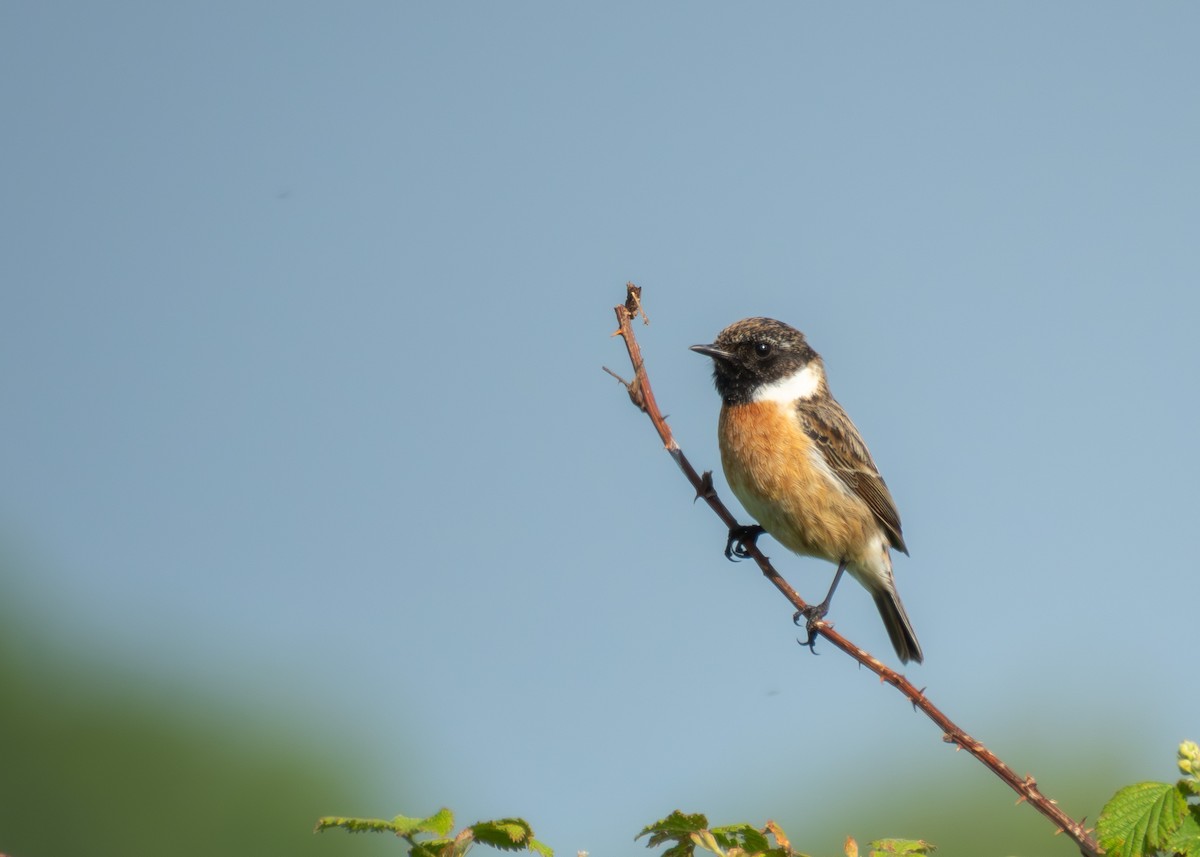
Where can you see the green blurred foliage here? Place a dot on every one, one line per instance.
(964, 809)
(98, 765)
(94, 761)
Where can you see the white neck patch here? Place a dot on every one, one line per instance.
(800, 385)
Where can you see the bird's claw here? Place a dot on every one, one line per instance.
(812, 617)
(741, 540)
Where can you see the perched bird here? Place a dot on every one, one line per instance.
(799, 466)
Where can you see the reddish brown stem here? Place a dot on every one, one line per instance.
(643, 396)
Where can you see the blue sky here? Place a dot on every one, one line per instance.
(304, 313)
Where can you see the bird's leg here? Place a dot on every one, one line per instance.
(741, 539)
(813, 615)
(816, 614)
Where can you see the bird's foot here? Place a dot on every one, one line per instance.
(812, 617)
(741, 539)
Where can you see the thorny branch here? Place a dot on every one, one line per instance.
(643, 397)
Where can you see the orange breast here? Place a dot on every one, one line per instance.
(783, 481)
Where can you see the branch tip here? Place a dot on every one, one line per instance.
(620, 380)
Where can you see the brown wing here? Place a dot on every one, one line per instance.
(839, 441)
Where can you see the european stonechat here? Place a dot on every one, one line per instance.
(799, 466)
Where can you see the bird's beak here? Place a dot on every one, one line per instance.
(712, 351)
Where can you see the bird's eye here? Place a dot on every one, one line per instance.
(762, 349)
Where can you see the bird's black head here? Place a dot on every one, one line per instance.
(758, 354)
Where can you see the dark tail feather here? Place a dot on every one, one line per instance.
(904, 640)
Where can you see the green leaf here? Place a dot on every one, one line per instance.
(432, 848)
(1140, 819)
(507, 834)
(677, 826)
(541, 848)
(439, 824)
(405, 826)
(884, 847)
(356, 825)
(1186, 839)
(683, 848)
(743, 836)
